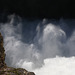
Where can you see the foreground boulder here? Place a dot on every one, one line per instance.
(15, 71)
(4, 69)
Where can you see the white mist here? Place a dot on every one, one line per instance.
(51, 52)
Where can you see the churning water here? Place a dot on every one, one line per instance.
(44, 46)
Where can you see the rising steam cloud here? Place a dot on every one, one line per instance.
(50, 48)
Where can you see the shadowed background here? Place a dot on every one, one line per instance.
(39, 8)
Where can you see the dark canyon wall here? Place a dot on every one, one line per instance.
(39, 8)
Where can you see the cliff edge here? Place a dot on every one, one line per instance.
(4, 69)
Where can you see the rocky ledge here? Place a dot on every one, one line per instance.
(4, 69)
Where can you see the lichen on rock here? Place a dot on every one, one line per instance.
(4, 69)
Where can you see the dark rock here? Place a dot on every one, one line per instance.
(2, 54)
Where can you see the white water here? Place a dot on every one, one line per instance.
(51, 53)
(57, 66)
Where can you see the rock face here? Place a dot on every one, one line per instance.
(4, 69)
(2, 54)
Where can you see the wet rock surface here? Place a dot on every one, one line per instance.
(4, 69)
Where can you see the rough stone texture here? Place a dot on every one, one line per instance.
(4, 69)
(15, 71)
(2, 54)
